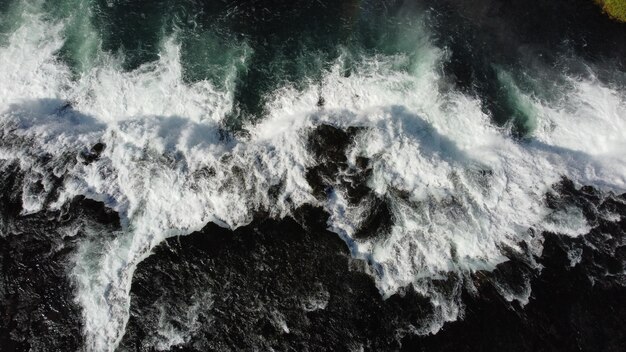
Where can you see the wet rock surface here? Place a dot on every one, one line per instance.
(291, 285)
(577, 299)
(334, 173)
(37, 307)
(281, 285)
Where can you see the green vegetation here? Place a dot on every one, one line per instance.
(614, 8)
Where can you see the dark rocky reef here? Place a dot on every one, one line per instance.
(578, 300)
(38, 311)
(291, 285)
(281, 285)
(329, 146)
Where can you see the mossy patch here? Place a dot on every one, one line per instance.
(614, 8)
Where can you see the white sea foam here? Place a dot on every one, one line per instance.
(459, 188)
(467, 188)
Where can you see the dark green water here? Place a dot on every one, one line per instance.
(260, 46)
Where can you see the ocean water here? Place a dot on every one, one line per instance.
(442, 144)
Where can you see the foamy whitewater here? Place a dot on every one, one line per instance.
(461, 189)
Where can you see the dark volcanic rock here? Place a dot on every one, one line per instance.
(88, 157)
(377, 221)
(328, 145)
(291, 285)
(578, 301)
(280, 285)
(37, 308)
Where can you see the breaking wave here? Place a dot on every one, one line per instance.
(461, 191)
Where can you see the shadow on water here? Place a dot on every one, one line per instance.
(54, 119)
(578, 160)
(431, 142)
(54, 137)
(401, 123)
(58, 114)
